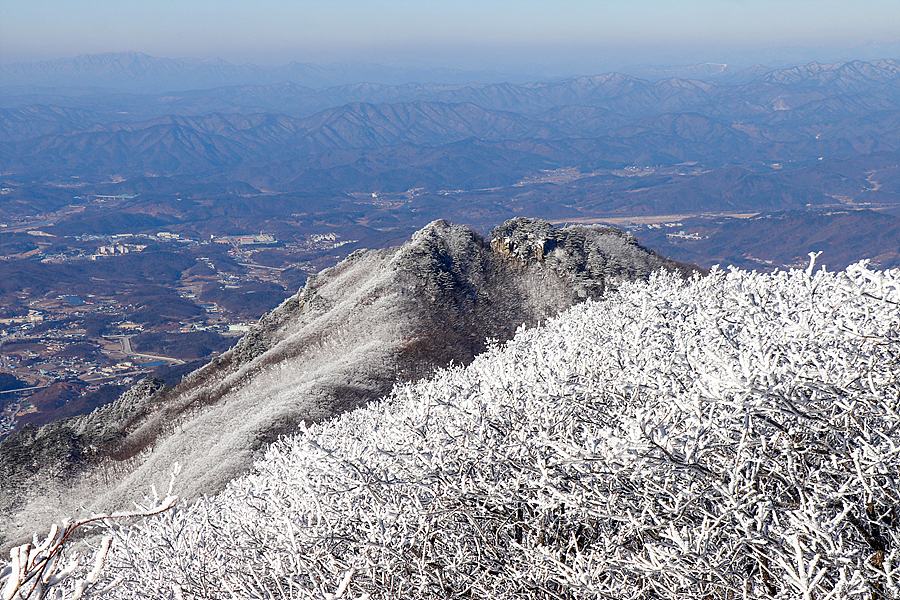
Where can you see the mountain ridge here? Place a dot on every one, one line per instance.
(785, 116)
(354, 330)
(720, 436)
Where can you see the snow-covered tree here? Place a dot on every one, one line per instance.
(732, 436)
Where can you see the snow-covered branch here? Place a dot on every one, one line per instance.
(38, 569)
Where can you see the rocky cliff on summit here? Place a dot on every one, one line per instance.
(354, 330)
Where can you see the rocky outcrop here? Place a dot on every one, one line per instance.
(590, 258)
(353, 331)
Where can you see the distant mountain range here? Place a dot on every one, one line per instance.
(135, 72)
(392, 157)
(340, 139)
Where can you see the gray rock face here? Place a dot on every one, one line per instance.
(591, 259)
(354, 330)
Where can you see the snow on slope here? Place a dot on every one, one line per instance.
(733, 436)
(355, 329)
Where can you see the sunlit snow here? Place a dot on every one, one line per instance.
(736, 435)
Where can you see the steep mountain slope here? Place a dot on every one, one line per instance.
(733, 436)
(378, 317)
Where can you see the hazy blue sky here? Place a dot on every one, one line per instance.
(580, 34)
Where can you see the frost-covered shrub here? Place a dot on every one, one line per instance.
(735, 436)
(40, 570)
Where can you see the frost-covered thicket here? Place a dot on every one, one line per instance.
(36, 570)
(735, 436)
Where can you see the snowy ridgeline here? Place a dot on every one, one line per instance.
(733, 436)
